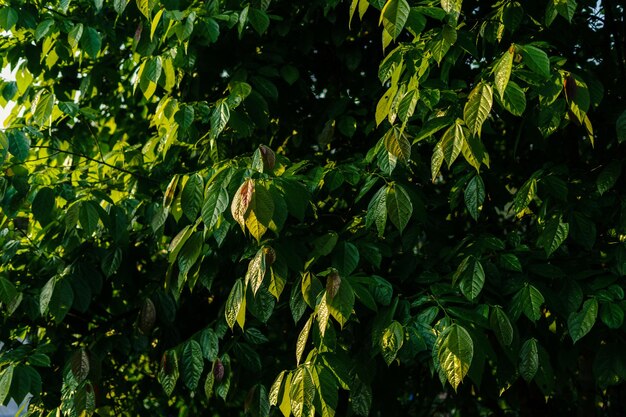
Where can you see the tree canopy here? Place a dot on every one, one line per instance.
(367, 207)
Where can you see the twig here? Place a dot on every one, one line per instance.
(134, 174)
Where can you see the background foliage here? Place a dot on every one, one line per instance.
(334, 208)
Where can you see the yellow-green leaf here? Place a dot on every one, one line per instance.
(455, 353)
(478, 107)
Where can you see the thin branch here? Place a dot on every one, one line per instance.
(134, 174)
(95, 139)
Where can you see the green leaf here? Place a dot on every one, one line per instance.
(377, 211)
(8, 19)
(528, 360)
(612, 314)
(471, 277)
(524, 195)
(91, 42)
(514, 99)
(79, 365)
(184, 117)
(209, 343)
(290, 74)
(259, 20)
(474, 196)
(394, 16)
(42, 107)
(501, 326)
(6, 377)
(215, 204)
(190, 253)
(510, 262)
(168, 373)
(529, 300)
(219, 118)
(43, 28)
(61, 300)
(620, 127)
(302, 392)
(44, 205)
(391, 341)
(236, 305)
(8, 292)
(150, 72)
(399, 206)
(88, 217)
(553, 235)
(191, 197)
(580, 323)
(340, 306)
(478, 107)
(608, 176)
(346, 258)
(451, 143)
(303, 337)
(455, 351)
(502, 70)
(535, 59)
(397, 144)
(193, 364)
(566, 8)
(406, 107)
(19, 145)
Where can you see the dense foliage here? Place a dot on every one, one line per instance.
(326, 208)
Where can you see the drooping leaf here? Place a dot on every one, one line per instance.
(553, 235)
(608, 176)
(474, 196)
(580, 323)
(478, 107)
(302, 392)
(191, 197)
(168, 373)
(91, 42)
(340, 306)
(193, 364)
(455, 350)
(241, 202)
(502, 70)
(377, 211)
(399, 206)
(514, 99)
(42, 107)
(260, 212)
(6, 377)
(215, 204)
(528, 360)
(535, 59)
(397, 144)
(303, 337)
(451, 144)
(236, 305)
(501, 326)
(394, 16)
(391, 341)
(620, 127)
(471, 277)
(529, 301)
